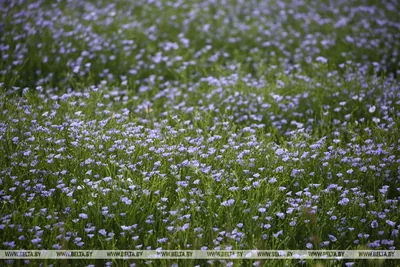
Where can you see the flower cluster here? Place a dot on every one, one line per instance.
(198, 125)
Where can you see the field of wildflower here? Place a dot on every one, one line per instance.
(200, 125)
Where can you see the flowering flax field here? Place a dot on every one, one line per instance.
(200, 125)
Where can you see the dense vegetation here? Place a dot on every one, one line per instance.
(261, 124)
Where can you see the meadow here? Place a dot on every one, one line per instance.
(200, 125)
